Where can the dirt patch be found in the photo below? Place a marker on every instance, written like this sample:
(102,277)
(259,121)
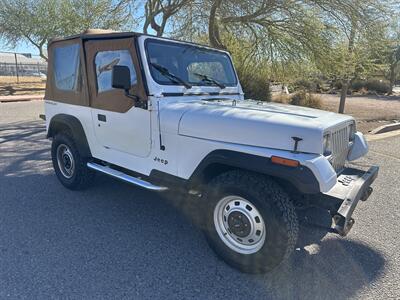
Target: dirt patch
(22,79)
(26,86)
(370,111)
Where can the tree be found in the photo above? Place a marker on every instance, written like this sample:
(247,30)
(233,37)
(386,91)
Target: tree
(37,21)
(394,63)
(349,61)
(393,48)
(280,30)
(354,22)
(158,12)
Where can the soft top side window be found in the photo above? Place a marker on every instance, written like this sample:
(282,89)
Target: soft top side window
(67,67)
(105,61)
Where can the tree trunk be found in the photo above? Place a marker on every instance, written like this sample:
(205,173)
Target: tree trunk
(346,82)
(146,26)
(343,95)
(213,26)
(392,78)
(41,53)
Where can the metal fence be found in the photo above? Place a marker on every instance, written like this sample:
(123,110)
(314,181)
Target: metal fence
(21,67)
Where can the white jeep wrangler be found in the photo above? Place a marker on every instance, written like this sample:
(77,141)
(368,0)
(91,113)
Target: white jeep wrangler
(163,114)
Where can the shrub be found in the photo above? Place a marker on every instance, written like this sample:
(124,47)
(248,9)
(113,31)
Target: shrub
(256,87)
(281,98)
(371,85)
(310,85)
(379,86)
(303,98)
(358,84)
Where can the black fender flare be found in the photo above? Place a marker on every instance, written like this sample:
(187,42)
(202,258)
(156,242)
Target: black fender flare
(300,177)
(61,122)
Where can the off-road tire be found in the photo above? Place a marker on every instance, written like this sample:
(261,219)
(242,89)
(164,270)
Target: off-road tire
(278,213)
(81,177)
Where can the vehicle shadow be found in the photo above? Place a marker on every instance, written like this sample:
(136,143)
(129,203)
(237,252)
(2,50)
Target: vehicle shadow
(117,241)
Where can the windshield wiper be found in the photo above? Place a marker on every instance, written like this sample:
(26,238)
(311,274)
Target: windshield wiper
(164,71)
(209,79)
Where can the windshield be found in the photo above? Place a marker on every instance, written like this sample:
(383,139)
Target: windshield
(190,64)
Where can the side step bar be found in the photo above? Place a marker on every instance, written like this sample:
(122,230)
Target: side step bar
(125,177)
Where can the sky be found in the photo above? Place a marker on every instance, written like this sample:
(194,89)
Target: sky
(23,47)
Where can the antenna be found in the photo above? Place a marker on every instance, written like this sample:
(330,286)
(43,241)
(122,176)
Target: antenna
(162,147)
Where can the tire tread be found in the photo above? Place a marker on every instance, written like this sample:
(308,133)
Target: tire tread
(263,187)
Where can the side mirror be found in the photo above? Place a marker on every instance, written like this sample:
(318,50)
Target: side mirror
(121,77)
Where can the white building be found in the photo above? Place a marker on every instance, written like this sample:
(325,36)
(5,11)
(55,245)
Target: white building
(27,65)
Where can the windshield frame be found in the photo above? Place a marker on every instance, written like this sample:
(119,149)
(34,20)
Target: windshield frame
(192,45)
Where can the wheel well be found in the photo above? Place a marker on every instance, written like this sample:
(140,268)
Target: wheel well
(214,170)
(217,169)
(73,126)
(56,127)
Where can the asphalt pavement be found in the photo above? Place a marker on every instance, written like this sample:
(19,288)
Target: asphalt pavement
(115,241)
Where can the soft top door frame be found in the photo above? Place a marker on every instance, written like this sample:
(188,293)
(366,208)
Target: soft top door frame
(115,99)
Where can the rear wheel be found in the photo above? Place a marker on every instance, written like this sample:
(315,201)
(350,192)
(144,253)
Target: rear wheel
(69,166)
(250,221)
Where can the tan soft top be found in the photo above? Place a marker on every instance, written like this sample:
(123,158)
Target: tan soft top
(95,34)
(90,42)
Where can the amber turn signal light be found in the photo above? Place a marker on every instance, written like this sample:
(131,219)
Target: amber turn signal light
(284,161)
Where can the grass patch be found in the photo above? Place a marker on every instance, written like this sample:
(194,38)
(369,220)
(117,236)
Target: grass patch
(301,98)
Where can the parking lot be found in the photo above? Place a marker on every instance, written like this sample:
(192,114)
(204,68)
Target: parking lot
(117,241)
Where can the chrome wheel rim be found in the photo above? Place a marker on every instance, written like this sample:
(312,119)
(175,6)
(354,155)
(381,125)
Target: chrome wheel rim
(239,224)
(65,161)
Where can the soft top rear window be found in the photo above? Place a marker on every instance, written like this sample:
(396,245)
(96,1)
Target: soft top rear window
(66,67)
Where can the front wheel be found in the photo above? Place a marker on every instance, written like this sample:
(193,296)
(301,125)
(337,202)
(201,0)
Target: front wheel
(250,221)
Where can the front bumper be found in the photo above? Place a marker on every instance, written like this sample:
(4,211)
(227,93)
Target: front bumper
(352,186)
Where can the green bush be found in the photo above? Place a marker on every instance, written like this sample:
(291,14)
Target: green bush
(358,84)
(255,87)
(372,85)
(379,86)
(304,98)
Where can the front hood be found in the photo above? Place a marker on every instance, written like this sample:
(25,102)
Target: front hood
(252,123)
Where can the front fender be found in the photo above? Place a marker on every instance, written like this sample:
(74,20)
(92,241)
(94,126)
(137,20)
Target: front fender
(314,174)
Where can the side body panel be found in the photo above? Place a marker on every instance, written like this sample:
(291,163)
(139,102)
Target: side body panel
(138,164)
(127,132)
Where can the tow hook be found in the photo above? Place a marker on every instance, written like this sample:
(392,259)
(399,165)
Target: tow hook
(366,194)
(341,225)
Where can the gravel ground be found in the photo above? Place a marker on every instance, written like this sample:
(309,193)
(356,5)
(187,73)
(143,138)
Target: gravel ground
(370,111)
(115,241)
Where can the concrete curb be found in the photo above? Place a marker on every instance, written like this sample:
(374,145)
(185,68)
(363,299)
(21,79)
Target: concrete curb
(381,136)
(19,98)
(386,128)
